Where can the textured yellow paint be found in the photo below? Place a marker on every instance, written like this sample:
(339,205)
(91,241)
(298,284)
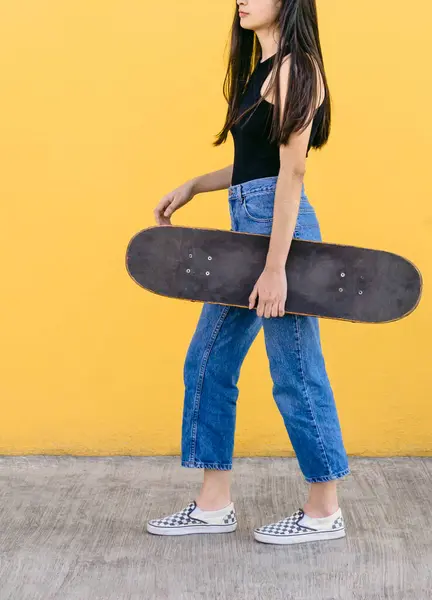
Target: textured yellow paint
(106,106)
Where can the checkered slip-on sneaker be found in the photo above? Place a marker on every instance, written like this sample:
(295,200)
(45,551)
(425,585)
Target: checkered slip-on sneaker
(293,531)
(193,520)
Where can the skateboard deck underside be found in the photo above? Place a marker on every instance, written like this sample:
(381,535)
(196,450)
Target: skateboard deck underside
(324,280)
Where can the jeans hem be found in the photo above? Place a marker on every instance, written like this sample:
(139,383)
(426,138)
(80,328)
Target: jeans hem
(328,477)
(200,465)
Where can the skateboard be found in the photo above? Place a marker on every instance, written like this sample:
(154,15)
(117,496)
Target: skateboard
(324,280)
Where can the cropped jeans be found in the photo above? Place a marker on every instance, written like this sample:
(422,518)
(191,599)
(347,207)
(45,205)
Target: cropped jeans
(224,334)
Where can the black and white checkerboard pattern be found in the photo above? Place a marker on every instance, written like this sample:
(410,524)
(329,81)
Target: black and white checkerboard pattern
(230,517)
(286,526)
(338,523)
(290,525)
(177,519)
(183,518)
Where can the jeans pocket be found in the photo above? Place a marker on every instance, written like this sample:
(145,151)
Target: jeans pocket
(259,206)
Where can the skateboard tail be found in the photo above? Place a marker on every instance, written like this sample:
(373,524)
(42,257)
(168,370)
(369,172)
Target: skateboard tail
(144,260)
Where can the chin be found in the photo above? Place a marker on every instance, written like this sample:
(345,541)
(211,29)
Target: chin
(246,26)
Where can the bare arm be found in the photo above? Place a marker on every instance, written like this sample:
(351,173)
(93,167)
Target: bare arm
(209,182)
(216,180)
(289,186)
(271,287)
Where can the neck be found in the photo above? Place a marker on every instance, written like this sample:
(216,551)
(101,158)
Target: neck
(269,41)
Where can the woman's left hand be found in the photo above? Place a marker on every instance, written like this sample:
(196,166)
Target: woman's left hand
(271,289)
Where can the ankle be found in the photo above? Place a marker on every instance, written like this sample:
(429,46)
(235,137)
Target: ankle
(319,511)
(212,502)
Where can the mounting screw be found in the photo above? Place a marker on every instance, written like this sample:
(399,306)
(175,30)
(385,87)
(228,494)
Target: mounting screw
(341,289)
(209,257)
(207,272)
(360,292)
(342,274)
(187,270)
(190,255)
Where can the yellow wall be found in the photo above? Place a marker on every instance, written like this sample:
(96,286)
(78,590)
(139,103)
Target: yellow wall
(105,107)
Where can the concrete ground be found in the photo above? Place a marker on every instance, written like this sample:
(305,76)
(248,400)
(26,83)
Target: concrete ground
(73,528)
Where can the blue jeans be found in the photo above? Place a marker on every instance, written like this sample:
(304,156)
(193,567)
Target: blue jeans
(224,334)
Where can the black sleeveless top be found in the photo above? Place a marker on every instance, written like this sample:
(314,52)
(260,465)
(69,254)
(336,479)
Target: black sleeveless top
(254,155)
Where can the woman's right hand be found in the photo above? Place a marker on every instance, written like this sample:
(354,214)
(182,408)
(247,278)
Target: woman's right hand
(173,201)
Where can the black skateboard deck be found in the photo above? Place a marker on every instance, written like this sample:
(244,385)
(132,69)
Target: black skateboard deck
(324,280)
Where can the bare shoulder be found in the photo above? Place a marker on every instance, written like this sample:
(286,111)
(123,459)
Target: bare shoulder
(284,74)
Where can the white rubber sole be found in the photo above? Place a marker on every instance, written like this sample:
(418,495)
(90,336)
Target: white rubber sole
(299,537)
(191,529)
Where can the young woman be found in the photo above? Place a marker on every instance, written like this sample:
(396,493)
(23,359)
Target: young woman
(278,108)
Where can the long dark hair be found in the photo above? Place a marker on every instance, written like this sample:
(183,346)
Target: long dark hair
(297,23)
